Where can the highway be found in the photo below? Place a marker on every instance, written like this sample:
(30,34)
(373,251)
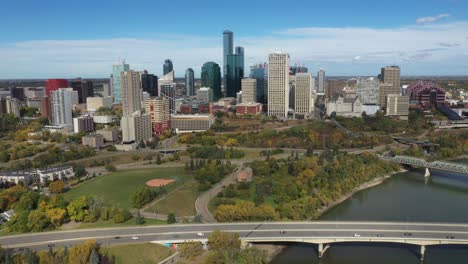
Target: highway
(308,232)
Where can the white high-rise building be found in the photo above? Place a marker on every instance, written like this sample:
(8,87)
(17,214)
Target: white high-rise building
(368,90)
(321,81)
(249,90)
(278,84)
(136,128)
(131,92)
(304,94)
(61,105)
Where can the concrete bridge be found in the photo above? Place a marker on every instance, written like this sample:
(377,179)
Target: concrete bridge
(323,234)
(421,163)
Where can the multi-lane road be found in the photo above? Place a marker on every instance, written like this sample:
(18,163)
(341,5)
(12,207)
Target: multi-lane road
(311,232)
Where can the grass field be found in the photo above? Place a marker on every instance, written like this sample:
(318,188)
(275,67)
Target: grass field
(115,189)
(138,254)
(181,201)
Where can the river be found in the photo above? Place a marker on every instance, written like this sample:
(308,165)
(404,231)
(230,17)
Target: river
(406,196)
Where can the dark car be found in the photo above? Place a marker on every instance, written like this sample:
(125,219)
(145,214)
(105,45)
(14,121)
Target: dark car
(408,234)
(450,237)
(117,237)
(379,235)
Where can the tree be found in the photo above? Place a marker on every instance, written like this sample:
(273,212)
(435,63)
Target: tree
(38,221)
(56,216)
(121,216)
(190,249)
(80,254)
(94,257)
(158,158)
(224,241)
(45,257)
(77,209)
(80,170)
(171,219)
(139,220)
(56,186)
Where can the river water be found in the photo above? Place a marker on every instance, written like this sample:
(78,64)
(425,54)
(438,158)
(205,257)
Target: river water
(404,197)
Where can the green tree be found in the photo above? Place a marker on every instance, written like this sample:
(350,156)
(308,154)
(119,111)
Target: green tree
(94,257)
(38,221)
(171,219)
(78,208)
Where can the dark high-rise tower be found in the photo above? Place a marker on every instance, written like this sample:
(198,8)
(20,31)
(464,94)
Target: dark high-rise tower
(211,77)
(84,88)
(228,45)
(149,83)
(235,73)
(167,66)
(233,65)
(189,82)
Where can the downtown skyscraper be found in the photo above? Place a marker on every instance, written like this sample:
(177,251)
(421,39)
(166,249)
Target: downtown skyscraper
(189,82)
(321,81)
(167,66)
(116,86)
(278,84)
(260,73)
(233,65)
(131,92)
(211,77)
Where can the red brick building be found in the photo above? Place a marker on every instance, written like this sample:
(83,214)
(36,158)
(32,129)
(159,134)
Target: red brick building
(249,108)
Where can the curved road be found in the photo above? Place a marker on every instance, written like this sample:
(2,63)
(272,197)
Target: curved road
(420,233)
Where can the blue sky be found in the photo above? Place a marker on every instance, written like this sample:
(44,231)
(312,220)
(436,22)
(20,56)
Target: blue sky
(41,39)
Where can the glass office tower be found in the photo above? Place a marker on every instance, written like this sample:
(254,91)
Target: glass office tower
(211,77)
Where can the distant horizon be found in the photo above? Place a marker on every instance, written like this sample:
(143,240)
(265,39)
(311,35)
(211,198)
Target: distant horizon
(352,38)
(327,76)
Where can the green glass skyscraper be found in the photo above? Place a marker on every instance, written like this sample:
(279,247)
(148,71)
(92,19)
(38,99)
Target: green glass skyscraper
(211,77)
(235,73)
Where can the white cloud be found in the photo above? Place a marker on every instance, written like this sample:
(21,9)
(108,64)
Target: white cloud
(430,19)
(418,49)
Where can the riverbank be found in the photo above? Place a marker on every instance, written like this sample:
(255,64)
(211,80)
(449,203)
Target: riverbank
(274,250)
(366,185)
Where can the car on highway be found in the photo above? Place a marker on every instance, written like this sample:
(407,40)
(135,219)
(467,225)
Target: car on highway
(356,235)
(117,237)
(379,235)
(450,237)
(407,234)
(200,234)
(282,232)
(134,238)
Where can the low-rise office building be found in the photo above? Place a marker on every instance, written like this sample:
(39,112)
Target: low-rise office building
(248,108)
(190,123)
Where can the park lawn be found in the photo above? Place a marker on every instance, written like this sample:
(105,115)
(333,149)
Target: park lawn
(181,201)
(138,253)
(115,189)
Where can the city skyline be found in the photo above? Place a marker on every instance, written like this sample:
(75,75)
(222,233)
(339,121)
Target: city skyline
(415,37)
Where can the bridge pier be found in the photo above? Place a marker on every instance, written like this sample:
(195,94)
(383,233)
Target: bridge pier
(205,245)
(422,252)
(427,173)
(322,249)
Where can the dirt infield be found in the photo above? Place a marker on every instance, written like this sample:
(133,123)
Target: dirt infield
(159,182)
